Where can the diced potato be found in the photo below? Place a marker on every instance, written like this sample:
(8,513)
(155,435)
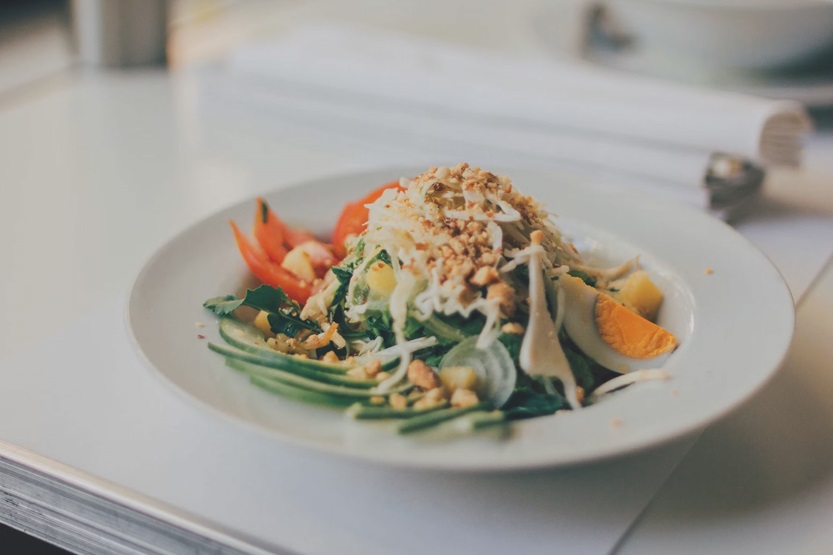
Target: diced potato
(298,262)
(380,279)
(262,322)
(641,295)
(464,398)
(458,377)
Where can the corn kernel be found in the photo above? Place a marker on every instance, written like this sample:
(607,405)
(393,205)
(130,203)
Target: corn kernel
(380,279)
(262,322)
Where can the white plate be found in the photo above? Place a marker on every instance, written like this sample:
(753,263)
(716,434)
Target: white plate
(735,326)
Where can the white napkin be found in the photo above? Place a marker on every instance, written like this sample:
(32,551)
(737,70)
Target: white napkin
(419,92)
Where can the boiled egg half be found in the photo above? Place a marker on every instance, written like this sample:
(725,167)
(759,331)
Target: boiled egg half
(612,335)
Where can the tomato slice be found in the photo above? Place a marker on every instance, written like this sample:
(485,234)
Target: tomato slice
(354,216)
(268,271)
(269,232)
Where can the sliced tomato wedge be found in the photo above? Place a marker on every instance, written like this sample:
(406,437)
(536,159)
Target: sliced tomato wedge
(269,232)
(268,271)
(354,216)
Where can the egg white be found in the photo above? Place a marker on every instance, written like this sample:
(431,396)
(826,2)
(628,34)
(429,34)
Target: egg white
(580,324)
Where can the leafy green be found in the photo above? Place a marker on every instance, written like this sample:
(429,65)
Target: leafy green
(283,311)
(222,306)
(512,342)
(581,367)
(270,299)
(527,402)
(384,257)
(343,275)
(287,324)
(379,325)
(433,357)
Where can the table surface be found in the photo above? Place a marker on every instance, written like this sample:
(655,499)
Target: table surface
(99,169)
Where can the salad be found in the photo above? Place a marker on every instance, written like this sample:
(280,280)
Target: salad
(450,296)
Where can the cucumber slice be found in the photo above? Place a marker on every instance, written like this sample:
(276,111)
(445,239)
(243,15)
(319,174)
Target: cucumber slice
(293,367)
(300,394)
(496,373)
(303,383)
(248,338)
(362,412)
(437,417)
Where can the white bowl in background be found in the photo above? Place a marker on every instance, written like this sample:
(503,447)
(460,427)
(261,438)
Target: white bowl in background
(738,34)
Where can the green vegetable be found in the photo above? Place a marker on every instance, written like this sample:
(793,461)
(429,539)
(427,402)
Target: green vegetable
(291,366)
(283,311)
(581,366)
(304,383)
(584,276)
(437,417)
(444,332)
(248,338)
(480,420)
(362,412)
(343,275)
(299,394)
(528,403)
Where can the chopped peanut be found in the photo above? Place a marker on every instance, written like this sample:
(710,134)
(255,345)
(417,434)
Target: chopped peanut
(357,373)
(464,398)
(330,357)
(377,400)
(512,328)
(318,341)
(505,296)
(398,401)
(580,394)
(431,399)
(421,375)
(373,367)
(382,376)
(484,276)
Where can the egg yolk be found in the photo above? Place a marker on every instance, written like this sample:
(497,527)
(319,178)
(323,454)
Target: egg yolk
(629,333)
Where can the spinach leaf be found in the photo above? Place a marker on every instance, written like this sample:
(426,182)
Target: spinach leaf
(288,324)
(512,342)
(343,275)
(379,325)
(527,402)
(581,366)
(384,257)
(283,311)
(591,281)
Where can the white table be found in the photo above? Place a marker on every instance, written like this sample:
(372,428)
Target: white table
(99,169)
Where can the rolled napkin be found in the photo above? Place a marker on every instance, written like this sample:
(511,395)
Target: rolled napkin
(419,91)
